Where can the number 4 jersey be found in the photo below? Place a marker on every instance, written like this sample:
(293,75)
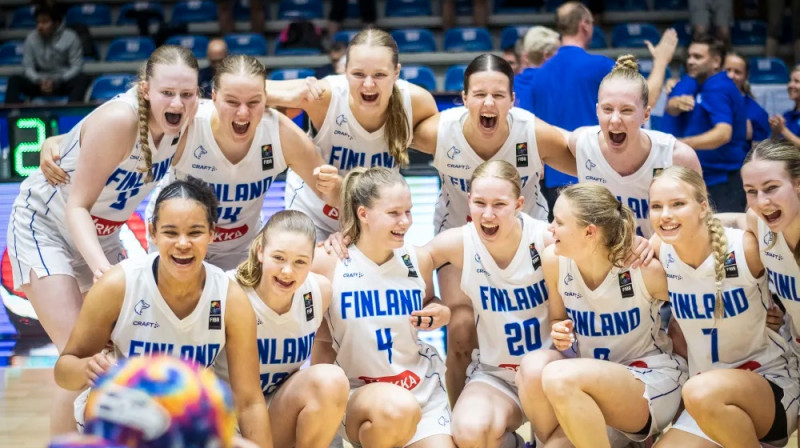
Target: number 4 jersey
(369,322)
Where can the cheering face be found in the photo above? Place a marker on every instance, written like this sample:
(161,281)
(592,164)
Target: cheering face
(172,92)
(674,213)
(493,206)
(620,112)
(286,262)
(488,100)
(771,193)
(240,102)
(182,234)
(389,218)
(569,234)
(700,63)
(794,86)
(736,68)
(371,76)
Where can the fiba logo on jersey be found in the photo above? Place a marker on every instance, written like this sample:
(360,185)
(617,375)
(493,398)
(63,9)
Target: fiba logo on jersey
(267,162)
(199,152)
(522,155)
(215,315)
(625,284)
(590,164)
(731,271)
(331,212)
(308,302)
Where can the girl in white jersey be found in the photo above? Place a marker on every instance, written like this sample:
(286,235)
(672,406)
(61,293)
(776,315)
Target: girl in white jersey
(618,153)
(365,117)
(748,389)
(171,302)
(61,237)
(488,127)
(240,148)
(626,378)
(306,406)
(498,254)
(771,179)
(379,302)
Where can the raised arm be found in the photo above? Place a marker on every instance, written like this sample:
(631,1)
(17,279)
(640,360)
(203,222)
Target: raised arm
(662,56)
(310,94)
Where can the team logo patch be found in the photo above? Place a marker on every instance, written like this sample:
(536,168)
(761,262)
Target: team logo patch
(568,279)
(536,261)
(308,302)
(625,284)
(267,161)
(140,306)
(670,260)
(199,152)
(407,261)
(453,152)
(768,238)
(731,271)
(590,164)
(215,315)
(340,120)
(522,155)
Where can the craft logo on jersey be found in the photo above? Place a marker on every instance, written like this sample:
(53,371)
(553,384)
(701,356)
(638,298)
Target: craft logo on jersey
(453,152)
(731,271)
(625,284)
(536,261)
(215,315)
(331,212)
(590,164)
(407,261)
(267,161)
(568,279)
(340,120)
(522,155)
(308,302)
(657,171)
(140,306)
(199,152)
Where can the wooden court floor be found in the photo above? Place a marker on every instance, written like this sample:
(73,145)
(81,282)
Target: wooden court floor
(25,400)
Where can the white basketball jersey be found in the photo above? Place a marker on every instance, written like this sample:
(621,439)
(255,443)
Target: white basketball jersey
(510,305)
(345,144)
(618,321)
(240,188)
(284,340)
(784,276)
(147,325)
(631,190)
(123,192)
(369,322)
(455,160)
(741,339)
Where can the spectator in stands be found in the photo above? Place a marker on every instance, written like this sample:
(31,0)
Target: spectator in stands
(52,59)
(757,118)
(479,13)
(336,54)
(538,45)
(216,52)
(366,8)
(712,121)
(225,16)
(701,13)
(788,125)
(775,15)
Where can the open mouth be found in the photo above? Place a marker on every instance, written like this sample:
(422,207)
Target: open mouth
(617,138)
(669,228)
(772,217)
(369,97)
(488,121)
(173,119)
(241,128)
(398,234)
(182,261)
(489,229)
(285,284)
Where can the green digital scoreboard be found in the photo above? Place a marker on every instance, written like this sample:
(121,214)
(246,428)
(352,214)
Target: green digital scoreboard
(26,133)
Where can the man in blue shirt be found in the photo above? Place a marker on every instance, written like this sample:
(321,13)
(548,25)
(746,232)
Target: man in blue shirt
(713,121)
(538,45)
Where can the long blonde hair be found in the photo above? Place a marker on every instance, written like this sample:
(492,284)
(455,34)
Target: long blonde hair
(594,204)
(361,187)
(397,129)
(165,54)
(719,242)
(248,273)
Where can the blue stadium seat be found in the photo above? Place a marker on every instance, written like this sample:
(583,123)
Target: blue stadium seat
(194,11)
(511,34)
(247,43)
(130,49)
(22,17)
(420,75)
(89,14)
(3,87)
(344,36)
(598,38)
(646,66)
(408,8)
(11,52)
(301,51)
(634,35)
(768,71)
(105,87)
(300,9)
(684,30)
(195,42)
(353,10)
(414,40)
(500,7)
(625,5)
(749,32)
(241,10)
(291,73)
(454,78)
(467,39)
(671,5)
(463,7)
(154,9)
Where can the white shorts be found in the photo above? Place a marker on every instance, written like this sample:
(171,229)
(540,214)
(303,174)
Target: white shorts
(35,242)
(477,374)
(79,407)
(298,196)
(662,389)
